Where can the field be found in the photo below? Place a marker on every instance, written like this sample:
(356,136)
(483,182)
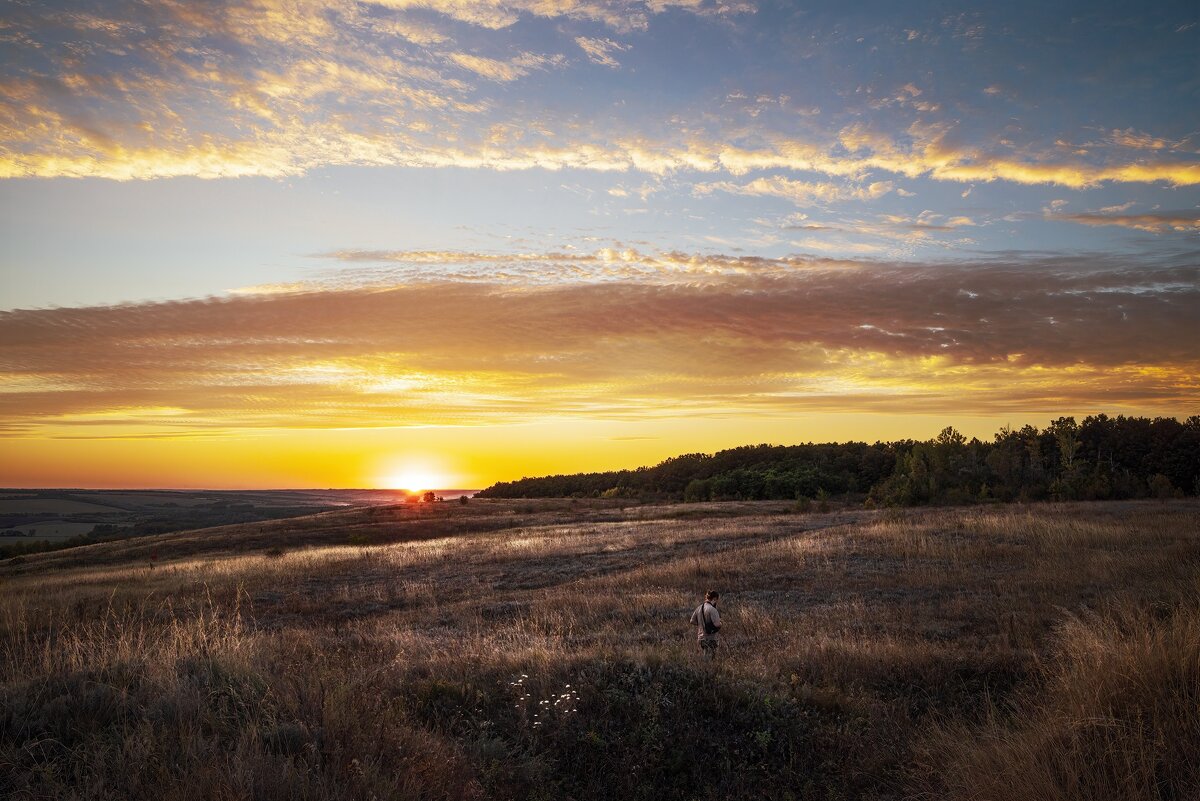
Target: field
(38,520)
(520,649)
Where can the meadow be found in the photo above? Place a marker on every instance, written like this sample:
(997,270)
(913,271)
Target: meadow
(541,650)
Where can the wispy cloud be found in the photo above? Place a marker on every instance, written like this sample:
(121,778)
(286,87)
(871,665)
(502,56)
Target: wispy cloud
(1154,222)
(801,193)
(277,88)
(620,15)
(600,51)
(504,71)
(1140,140)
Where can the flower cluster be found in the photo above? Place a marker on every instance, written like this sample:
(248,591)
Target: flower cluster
(564,703)
(519,684)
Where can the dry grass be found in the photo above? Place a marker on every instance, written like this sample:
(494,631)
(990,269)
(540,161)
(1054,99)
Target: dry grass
(1116,716)
(866,655)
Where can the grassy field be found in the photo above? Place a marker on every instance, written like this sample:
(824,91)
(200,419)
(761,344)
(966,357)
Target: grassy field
(516,650)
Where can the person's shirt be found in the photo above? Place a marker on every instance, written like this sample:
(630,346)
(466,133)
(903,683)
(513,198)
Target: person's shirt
(714,618)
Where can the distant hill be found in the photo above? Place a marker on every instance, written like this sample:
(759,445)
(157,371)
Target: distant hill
(1102,457)
(33,521)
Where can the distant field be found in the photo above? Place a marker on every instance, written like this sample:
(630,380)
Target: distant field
(52,506)
(56,516)
(146,499)
(516,650)
(49,531)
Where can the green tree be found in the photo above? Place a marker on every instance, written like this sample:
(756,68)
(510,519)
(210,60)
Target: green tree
(1066,435)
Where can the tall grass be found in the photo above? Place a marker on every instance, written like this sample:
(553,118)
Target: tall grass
(1116,715)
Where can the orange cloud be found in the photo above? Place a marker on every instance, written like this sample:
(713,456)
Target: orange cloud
(846,336)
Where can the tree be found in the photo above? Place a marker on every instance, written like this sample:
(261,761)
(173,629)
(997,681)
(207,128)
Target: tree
(1066,436)
(949,437)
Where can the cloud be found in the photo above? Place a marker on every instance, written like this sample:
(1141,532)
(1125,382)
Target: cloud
(413,30)
(1139,140)
(907,96)
(258,87)
(275,88)
(802,193)
(797,333)
(503,71)
(894,235)
(77,151)
(1155,223)
(927,221)
(756,104)
(613,264)
(620,15)
(600,51)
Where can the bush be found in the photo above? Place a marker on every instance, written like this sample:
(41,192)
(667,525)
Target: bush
(1161,486)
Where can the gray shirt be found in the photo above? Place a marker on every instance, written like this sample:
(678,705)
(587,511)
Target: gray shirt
(714,618)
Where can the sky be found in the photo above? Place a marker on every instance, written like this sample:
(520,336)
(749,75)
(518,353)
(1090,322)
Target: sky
(283,243)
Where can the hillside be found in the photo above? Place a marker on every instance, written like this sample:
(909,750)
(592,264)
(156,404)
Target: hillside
(540,650)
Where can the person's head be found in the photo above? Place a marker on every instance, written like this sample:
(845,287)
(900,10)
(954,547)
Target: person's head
(712,596)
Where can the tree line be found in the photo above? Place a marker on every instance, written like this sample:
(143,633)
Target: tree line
(1101,458)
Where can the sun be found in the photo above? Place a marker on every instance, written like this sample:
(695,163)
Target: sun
(411,482)
(414,474)
(414,481)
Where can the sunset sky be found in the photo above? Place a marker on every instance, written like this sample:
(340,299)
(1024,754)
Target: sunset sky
(327,244)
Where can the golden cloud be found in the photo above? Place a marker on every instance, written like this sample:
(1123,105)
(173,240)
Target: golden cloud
(777,334)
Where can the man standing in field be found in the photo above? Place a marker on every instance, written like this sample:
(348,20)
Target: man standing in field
(708,624)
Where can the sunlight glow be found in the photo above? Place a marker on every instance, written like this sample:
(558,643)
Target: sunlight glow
(414,479)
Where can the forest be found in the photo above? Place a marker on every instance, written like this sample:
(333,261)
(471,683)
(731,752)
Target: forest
(1101,458)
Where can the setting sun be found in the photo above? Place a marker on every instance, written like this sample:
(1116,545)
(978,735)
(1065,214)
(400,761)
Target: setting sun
(414,480)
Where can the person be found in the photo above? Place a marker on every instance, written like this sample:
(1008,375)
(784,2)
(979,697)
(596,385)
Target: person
(708,624)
